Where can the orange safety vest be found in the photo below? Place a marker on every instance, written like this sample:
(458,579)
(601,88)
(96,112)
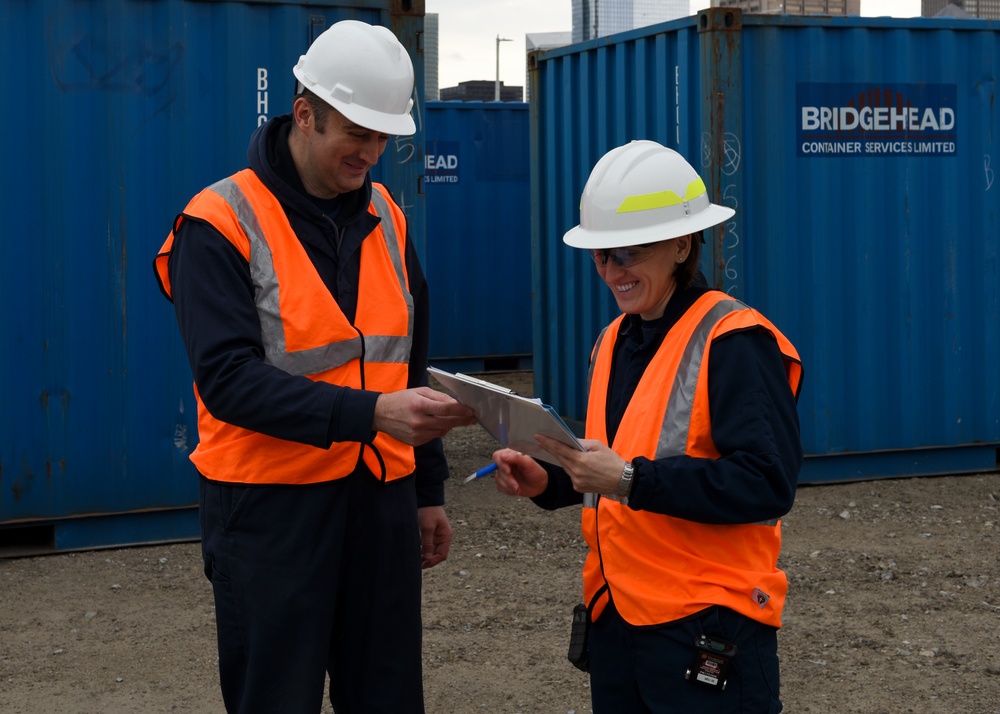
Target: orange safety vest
(659,568)
(304,332)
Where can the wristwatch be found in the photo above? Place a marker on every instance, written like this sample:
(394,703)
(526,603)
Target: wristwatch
(625,485)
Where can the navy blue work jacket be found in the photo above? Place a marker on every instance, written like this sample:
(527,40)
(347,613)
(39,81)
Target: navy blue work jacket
(755,427)
(214,302)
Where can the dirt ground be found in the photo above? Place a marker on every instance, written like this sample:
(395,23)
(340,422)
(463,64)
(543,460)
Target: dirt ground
(894,606)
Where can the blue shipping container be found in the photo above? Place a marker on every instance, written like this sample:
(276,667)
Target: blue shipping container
(478,249)
(138,104)
(861,157)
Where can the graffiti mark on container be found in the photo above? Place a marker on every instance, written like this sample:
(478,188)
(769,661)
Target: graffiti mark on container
(730,163)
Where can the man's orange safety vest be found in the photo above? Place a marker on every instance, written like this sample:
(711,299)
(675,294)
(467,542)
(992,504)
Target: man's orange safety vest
(304,332)
(658,568)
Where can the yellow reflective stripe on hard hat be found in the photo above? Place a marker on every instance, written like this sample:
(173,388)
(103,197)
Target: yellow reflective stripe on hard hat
(661,199)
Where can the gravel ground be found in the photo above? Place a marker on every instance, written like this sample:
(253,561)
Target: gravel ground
(894,606)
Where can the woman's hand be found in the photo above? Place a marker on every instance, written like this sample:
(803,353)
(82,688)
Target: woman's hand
(518,475)
(596,470)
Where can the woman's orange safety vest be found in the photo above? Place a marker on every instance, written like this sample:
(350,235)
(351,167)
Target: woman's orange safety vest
(658,568)
(305,332)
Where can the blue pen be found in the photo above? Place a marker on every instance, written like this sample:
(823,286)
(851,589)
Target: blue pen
(485,471)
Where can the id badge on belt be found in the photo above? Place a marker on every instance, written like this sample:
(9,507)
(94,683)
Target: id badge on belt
(710,666)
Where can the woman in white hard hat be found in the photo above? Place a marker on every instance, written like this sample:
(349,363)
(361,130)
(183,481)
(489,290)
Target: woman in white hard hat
(695,392)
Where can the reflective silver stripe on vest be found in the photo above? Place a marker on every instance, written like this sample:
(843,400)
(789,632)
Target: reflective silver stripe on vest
(267,298)
(593,361)
(677,417)
(391,352)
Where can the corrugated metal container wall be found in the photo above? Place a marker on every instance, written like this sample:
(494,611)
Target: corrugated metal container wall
(861,157)
(590,98)
(478,235)
(125,109)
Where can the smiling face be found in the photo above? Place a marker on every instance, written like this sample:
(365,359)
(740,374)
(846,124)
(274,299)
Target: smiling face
(643,278)
(332,153)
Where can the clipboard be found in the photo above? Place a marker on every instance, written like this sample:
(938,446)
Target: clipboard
(509,418)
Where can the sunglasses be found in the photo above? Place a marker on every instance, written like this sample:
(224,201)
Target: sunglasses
(622,257)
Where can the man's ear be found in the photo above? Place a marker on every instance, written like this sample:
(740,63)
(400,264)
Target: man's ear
(302,112)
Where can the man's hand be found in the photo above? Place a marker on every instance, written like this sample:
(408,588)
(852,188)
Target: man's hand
(415,416)
(435,535)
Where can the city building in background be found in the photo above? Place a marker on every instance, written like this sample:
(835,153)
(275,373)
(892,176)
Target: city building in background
(600,18)
(794,7)
(480,90)
(431,56)
(985,9)
(535,41)
(953,11)
(546,40)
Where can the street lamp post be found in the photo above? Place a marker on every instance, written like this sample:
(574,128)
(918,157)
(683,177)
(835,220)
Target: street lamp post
(496,93)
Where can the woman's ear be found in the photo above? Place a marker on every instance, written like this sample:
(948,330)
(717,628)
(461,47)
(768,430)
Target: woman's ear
(683,247)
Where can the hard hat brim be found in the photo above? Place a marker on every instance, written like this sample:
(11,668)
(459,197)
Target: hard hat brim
(580,237)
(395,124)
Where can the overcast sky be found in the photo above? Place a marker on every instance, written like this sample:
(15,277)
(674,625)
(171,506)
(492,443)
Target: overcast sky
(467,46)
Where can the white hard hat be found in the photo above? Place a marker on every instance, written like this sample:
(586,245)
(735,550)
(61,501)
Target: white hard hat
(641,193)
(364,73)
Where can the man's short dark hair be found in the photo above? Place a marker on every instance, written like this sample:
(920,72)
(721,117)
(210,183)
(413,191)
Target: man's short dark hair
(321,110)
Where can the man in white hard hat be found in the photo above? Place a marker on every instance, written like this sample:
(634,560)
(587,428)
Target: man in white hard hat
(693,455)
(304,313)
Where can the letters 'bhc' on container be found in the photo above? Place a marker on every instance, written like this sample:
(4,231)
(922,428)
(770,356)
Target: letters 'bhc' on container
(861,156)
(136,105)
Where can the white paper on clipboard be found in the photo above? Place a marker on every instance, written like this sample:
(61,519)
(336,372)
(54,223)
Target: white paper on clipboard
(509,418)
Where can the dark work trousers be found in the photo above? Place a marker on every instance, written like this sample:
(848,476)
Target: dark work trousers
(316,579)
(640,670)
